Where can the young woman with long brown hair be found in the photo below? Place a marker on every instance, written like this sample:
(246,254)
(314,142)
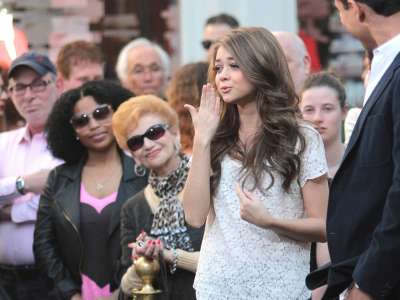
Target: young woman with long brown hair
(258,175)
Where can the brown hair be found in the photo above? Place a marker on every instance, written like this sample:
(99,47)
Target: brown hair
(128,114)
(327,79)
(279,140)
(76,52)
(185,88)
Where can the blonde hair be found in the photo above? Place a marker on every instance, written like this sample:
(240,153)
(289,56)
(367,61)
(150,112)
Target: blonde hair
(128,114)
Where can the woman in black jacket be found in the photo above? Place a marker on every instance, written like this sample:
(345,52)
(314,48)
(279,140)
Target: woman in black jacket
(77,231)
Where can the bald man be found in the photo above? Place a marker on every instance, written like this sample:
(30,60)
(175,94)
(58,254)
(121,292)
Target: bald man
(296,55)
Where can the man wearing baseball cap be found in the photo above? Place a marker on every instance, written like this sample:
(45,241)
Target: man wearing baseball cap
(25,163)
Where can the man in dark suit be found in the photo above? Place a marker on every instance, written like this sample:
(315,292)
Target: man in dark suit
(363,225)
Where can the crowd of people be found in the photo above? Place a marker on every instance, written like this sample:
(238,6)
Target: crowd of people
(233,173)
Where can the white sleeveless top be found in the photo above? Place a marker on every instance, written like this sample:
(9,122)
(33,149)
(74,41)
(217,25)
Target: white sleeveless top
(241,261)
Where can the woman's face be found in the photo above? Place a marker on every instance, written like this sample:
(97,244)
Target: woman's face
(320,105)
(158,149)
(232,84)
(92,124)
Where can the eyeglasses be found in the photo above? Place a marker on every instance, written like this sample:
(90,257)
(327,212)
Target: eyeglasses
(101,113)
(207,44)
(154,133)
(37,86)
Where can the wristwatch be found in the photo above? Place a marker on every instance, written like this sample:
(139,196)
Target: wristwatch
(20,185)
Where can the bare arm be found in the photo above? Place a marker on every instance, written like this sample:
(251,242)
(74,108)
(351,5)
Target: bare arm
(309,228)
(196,195)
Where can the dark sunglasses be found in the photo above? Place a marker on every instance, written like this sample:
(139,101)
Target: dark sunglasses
(101,112)
(206,44)
(154,133)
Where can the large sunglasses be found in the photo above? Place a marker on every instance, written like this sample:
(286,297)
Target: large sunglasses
(154,133)
(101,113)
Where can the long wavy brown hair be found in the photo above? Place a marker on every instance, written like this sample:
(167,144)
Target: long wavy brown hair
(278,144)
(185,88)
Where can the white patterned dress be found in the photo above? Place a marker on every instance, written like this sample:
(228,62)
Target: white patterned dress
(240,261)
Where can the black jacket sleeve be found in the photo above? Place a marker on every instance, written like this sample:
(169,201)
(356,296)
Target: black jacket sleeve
(45,245)
(129,232)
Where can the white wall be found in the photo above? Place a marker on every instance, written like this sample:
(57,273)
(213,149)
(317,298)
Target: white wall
(271,14)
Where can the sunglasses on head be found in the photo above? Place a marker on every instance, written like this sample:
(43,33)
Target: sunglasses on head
(154,133)
(101,112)
(207,44)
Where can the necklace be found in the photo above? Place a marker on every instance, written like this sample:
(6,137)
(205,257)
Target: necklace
(99,186)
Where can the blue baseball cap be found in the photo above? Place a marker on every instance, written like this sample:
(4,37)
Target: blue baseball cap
(40,63)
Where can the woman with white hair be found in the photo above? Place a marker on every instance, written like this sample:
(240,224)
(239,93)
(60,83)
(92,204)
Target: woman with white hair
(143,67)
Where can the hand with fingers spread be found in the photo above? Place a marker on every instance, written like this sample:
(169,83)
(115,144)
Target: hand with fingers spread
(206,117)
(252,210)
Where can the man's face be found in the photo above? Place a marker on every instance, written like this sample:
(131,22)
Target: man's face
(211,34)
(146,74)
(81,72)
(33,96)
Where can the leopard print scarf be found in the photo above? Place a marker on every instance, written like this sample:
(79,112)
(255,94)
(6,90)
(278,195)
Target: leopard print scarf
(169,221)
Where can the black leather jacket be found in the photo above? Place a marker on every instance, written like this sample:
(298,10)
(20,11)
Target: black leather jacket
(57,243)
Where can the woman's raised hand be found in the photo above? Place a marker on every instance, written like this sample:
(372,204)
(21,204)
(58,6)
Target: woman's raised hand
(206,117)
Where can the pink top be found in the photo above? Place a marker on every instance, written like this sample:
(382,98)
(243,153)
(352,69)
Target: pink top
(96,203)
(20,154)
(90,289)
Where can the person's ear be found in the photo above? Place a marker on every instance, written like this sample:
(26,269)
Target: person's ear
(307,64)
(60,84)
(345,110)
(361,16)
(358,10)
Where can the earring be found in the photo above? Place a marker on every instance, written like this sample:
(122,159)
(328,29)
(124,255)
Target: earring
(139,170)
(77,138)
(177,146)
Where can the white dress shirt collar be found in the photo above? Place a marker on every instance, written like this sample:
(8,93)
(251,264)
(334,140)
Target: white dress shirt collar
(384,55)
